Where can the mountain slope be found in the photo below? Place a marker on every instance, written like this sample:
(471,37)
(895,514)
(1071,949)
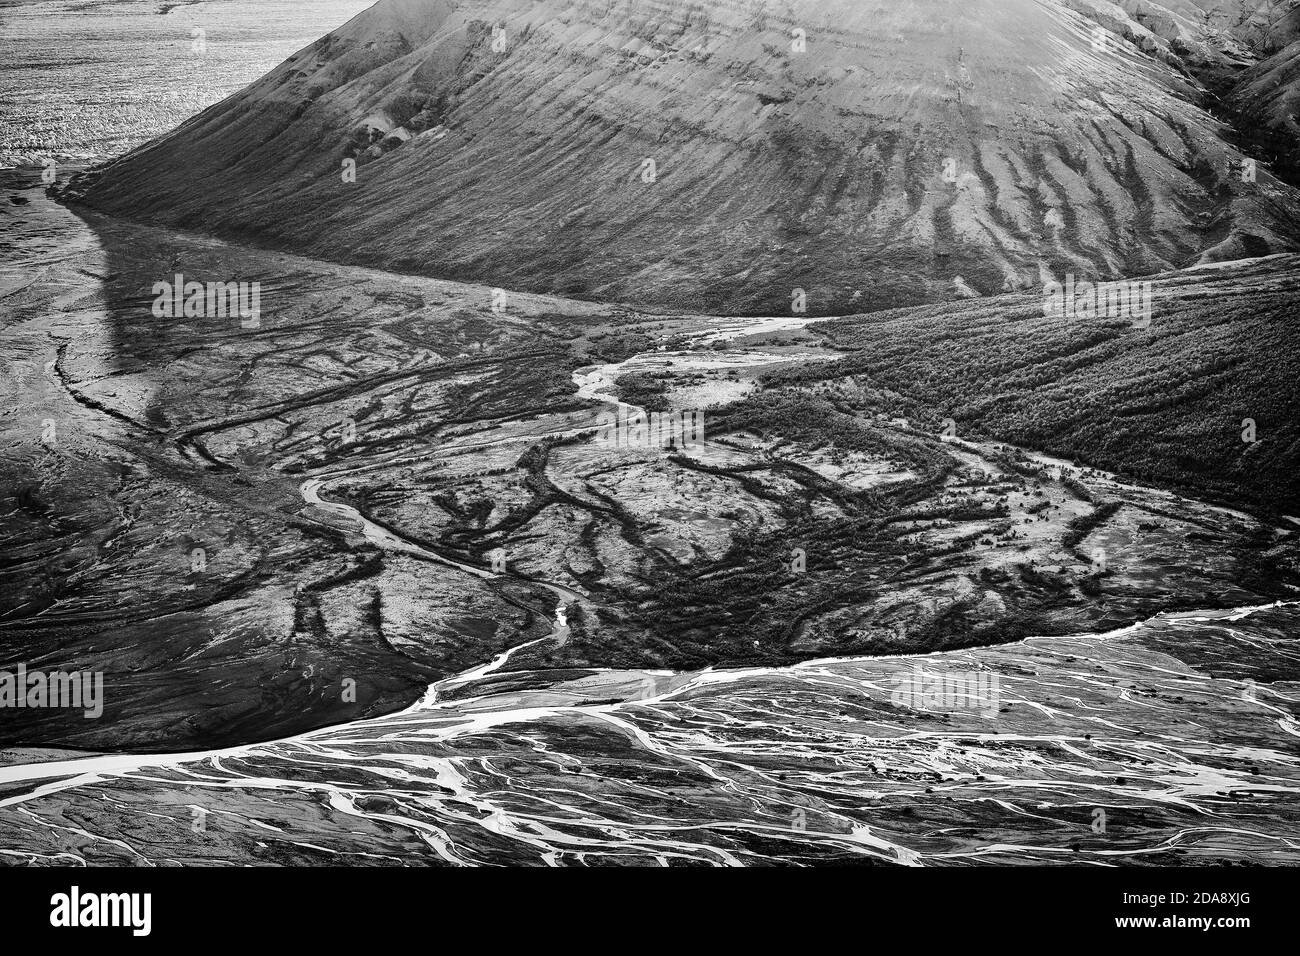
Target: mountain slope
(1206,399)
(1268,96)
(912,153)
(1197,35)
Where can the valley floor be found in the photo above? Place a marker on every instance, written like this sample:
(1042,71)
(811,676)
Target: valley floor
(390,484)
(1105,749)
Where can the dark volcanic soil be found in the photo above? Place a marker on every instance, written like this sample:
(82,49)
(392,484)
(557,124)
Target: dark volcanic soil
(191,524)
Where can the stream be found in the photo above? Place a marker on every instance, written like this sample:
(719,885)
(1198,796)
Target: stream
(733,767)
(1102,749)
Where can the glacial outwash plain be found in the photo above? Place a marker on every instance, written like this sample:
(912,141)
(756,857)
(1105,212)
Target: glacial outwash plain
(368,582)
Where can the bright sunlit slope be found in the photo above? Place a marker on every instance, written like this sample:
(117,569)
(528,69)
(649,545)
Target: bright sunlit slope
(912,152)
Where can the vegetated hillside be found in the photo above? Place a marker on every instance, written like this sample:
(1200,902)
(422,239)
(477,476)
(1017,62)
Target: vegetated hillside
(1268,96)
(1164,404)
(912,152)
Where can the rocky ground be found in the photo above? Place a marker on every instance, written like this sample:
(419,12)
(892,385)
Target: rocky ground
(387,483)
(84,81)
(1166,744)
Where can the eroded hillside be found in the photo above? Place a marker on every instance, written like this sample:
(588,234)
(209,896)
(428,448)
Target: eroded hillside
(720,156)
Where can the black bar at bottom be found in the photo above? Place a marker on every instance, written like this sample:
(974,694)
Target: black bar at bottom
(615,907)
